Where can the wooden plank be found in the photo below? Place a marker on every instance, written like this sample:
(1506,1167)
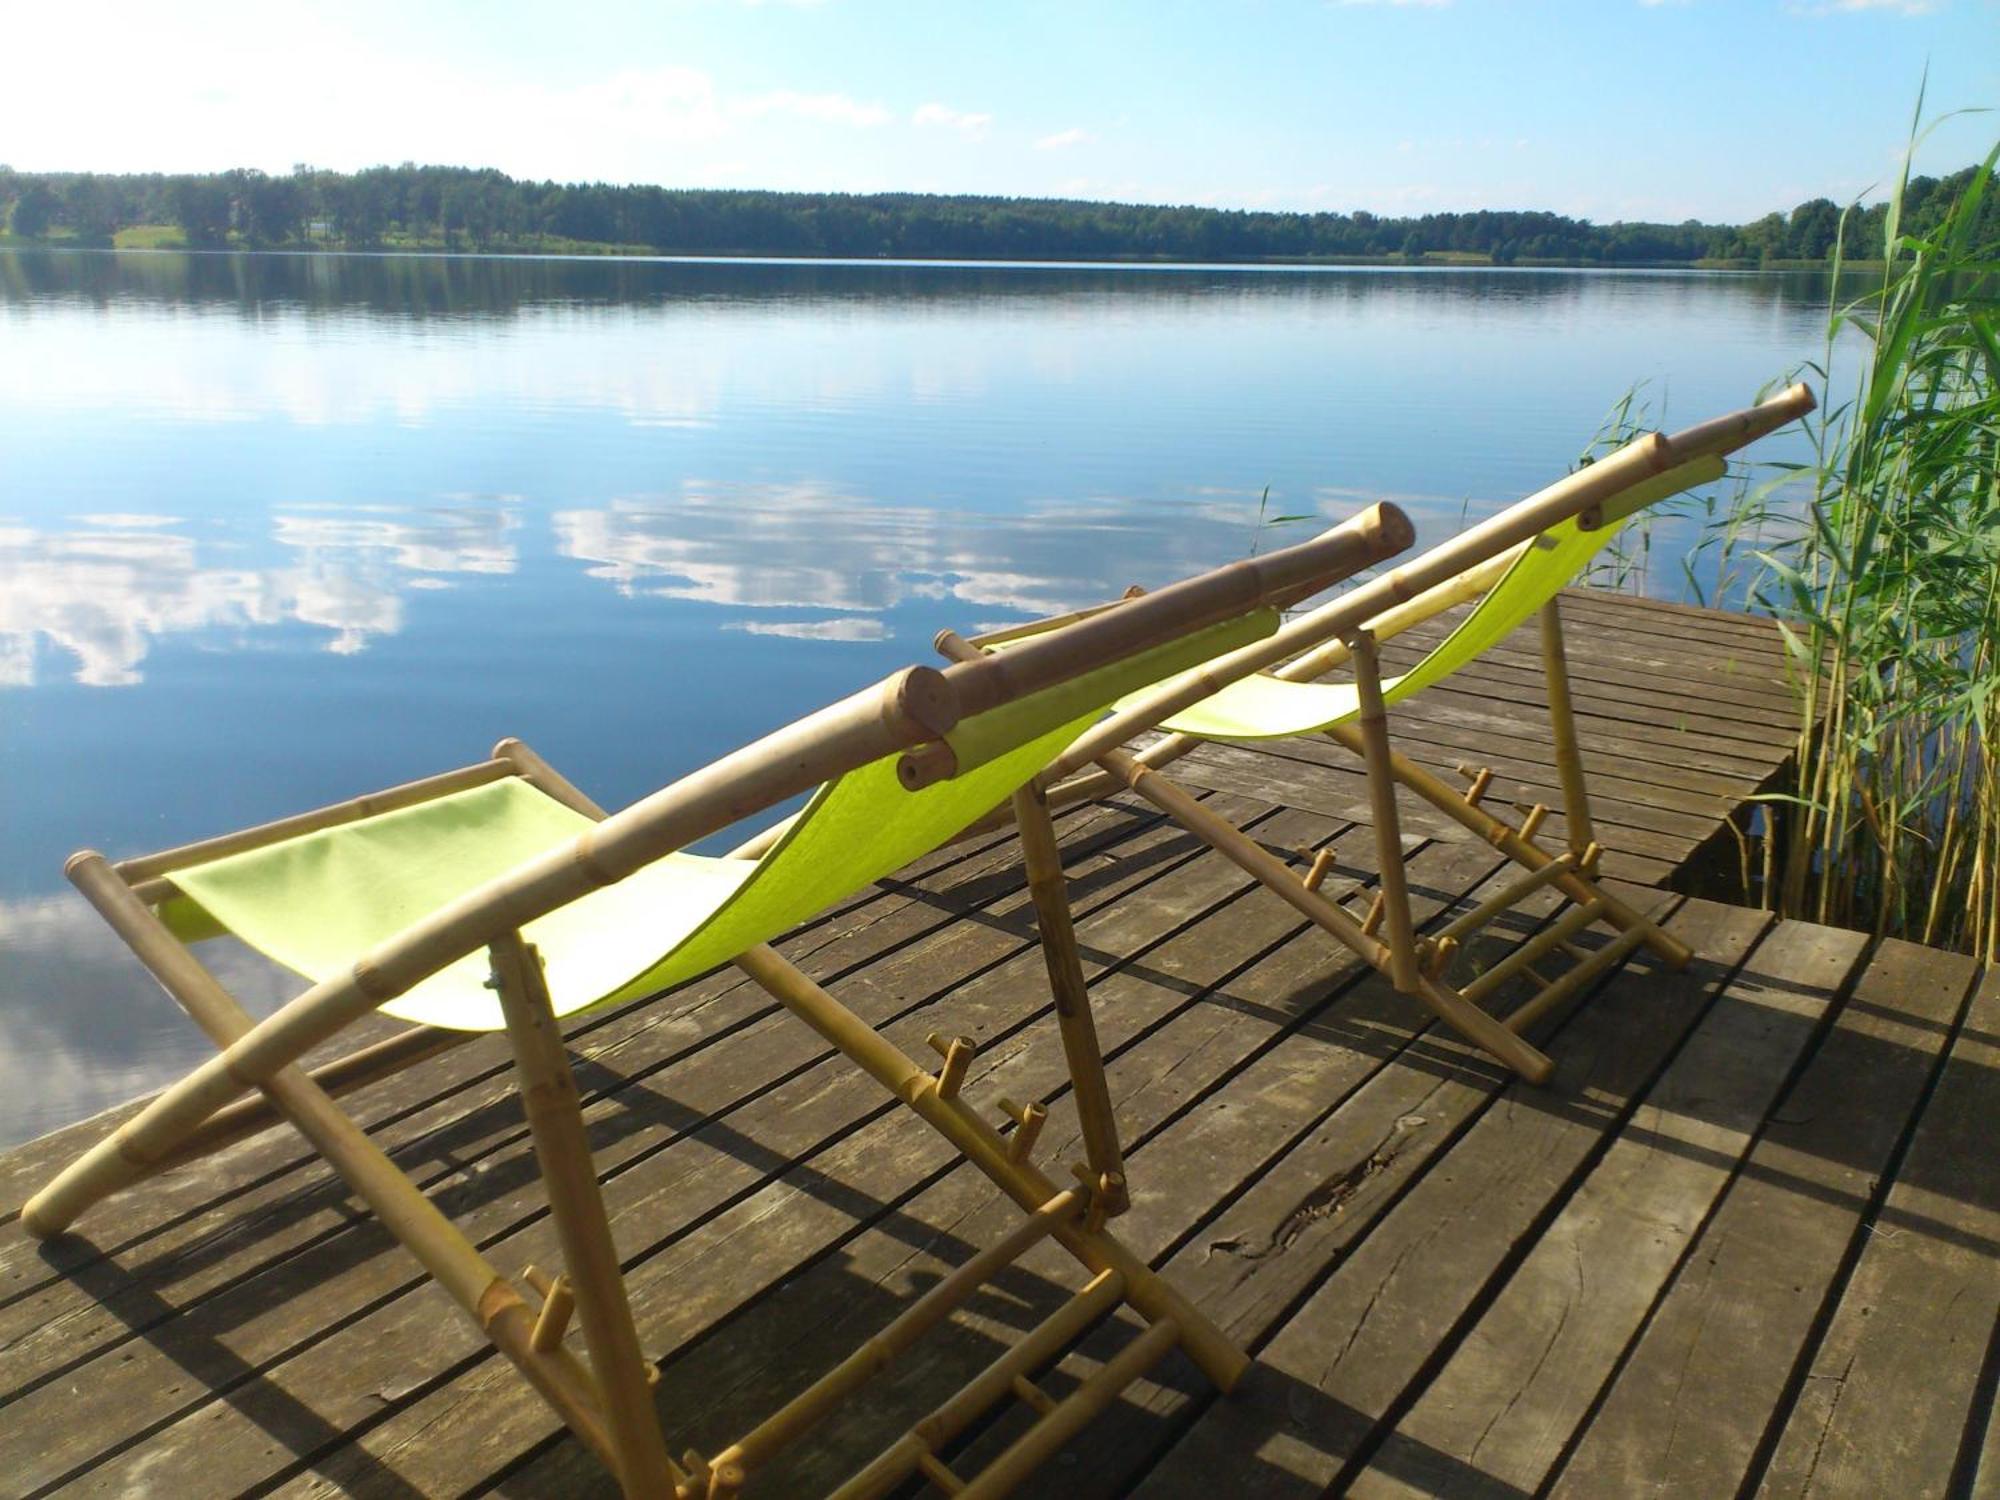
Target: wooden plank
(1612,658)
(1890,1396)
(1657,709)
(1521,1380)
(1692,1402)
(1682,745)
(1689,816)
(1673,617)
(1344,1319)
(710,1177)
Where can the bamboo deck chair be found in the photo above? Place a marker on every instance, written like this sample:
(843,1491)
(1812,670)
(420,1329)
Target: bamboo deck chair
(1515,564)
(499,897)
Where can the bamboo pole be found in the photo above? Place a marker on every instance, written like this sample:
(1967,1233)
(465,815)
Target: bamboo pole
(1574,979)
(401,1208)
(1053,622)
(1076,1412)
(1507,897)
(1637,463)
(555,1120)
(1378,533)
(1048,1339)
(1562,726)
(408,794)
(1149,1293)
(1508,842)
(1240,849)
(538,773)
(813,1405)
(1523,955)
(1050,891)
(1394,891)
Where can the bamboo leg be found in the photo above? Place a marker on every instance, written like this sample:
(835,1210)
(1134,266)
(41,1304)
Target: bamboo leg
(402,1209)
(1092,1093)
(1469,1021)
(1395,890)
(1562,723)
(549,1097)
(1508,842)
(1149,1293)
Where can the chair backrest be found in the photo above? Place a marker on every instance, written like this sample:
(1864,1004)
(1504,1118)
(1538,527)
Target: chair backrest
(1546,566)
(1288,701)
(315,901)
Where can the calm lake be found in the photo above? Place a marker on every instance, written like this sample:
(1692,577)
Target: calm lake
(276,530)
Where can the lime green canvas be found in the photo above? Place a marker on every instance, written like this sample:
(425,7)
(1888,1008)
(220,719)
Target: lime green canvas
(317,902)
(1261,707)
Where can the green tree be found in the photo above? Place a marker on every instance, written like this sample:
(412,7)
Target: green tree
(35,210)
(201,207)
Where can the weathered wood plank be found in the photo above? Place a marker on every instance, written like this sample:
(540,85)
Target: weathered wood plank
(1522,1379)
(1887,1403)
(1348,1315)
(1694,1398)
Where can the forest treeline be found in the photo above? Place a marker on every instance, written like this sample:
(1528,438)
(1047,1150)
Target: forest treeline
(457,208)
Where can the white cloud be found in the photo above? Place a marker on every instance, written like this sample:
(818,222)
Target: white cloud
(832,109)
(943,117)
(853,628)
(1062,140)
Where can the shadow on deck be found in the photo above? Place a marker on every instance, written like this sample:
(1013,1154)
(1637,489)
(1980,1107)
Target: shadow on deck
(1747,1240)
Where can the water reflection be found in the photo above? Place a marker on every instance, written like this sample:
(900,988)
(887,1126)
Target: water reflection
(417,288)
(327,523)
(104,591)
(812,546)
(99,1030)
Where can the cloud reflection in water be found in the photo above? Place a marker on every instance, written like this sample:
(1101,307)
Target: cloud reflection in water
(106,588)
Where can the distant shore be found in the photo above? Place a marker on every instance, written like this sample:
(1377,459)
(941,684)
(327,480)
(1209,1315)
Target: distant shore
(168,237)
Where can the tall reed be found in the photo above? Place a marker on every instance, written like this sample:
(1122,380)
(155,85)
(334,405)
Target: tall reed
(1889,585)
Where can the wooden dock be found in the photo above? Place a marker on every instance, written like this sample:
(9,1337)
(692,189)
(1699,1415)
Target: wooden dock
(1748,1240)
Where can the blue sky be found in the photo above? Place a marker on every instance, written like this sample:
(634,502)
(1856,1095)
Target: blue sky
(1658,109)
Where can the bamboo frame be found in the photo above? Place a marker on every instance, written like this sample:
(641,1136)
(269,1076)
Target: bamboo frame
(555,1120)
(1394,892)
(609,1402)
(1347,631)
(1050,891)
(1562,726)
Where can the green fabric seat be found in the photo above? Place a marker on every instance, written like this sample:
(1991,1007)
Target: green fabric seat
(316,902)
(1262,707)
